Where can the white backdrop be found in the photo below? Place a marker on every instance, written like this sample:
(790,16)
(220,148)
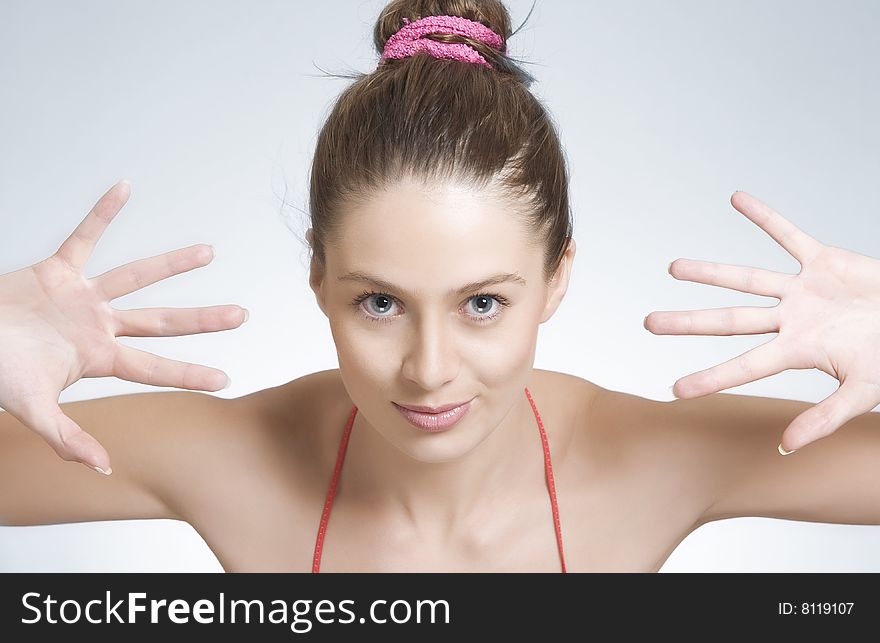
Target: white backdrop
(211,109)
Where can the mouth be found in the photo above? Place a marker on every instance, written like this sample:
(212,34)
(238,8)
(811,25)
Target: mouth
(433,409)
(443,419)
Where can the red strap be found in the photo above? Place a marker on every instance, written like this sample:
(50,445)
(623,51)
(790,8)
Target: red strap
(343,445)
(548,468)
(319,544)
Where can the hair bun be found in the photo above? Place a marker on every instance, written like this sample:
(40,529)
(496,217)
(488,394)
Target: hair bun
(398,13)
(411,39)
(489,51)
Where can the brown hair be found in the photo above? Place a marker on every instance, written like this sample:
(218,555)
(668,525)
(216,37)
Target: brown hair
(432,119)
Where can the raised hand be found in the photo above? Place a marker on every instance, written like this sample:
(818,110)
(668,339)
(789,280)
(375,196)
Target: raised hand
(828,317)
(57,326)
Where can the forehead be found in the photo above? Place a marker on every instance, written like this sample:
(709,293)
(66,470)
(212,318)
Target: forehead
(439,228)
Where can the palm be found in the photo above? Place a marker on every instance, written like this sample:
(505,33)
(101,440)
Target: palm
(58,326)
(70,309)
(836,313)
(827,318)
(35,354)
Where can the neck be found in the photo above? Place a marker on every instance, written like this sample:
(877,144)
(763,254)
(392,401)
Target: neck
(445,496)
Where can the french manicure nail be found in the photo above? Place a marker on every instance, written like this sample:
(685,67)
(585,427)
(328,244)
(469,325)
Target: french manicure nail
(100,470)
(228,382)
(247,314)
(783,451)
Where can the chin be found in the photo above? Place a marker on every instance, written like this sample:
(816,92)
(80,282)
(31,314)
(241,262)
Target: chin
(434,451)
(445,446)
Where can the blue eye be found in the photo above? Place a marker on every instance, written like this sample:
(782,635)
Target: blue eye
(379,303)
(383,302)
(485,301)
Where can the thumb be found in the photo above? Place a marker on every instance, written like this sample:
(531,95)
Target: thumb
(65,436)
(851,399)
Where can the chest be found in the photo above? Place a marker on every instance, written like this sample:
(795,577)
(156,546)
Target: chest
(612,525)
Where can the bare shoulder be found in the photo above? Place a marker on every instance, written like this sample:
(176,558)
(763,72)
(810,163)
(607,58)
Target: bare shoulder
(631,461)
(570,392)
(259,445)
(646,444)
(620,420)
(568,404)
(592,411)
(298,406)
(298,417)
(667,449)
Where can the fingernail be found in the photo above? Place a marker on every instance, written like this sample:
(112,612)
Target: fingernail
(669,267)
(671,389)
(100,470)
(247,314)
(228,383)
(213,251)
(783,451)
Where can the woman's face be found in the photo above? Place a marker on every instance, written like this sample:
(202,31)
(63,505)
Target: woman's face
(409,329)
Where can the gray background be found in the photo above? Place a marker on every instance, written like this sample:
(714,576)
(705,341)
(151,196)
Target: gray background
(211,109)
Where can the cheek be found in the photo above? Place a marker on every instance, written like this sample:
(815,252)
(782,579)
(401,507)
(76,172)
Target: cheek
(364,350)
(506,354)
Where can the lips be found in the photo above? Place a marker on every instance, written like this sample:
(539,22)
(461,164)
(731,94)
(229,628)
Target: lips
(435,422)
(433,409)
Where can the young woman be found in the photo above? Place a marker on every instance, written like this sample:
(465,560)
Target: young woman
(441,239)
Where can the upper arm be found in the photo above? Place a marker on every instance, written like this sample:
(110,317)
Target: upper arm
(736,462)
(149,437)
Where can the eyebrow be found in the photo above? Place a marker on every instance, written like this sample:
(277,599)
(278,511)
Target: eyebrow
(500,278)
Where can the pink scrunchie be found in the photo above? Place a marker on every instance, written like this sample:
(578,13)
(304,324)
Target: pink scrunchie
(408,39)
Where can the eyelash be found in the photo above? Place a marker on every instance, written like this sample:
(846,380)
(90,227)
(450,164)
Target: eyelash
(504,303)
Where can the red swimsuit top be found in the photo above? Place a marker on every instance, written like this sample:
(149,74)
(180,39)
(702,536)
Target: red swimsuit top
(331,492)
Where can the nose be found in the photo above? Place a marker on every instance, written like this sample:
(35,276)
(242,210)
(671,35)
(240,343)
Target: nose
(431,358)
